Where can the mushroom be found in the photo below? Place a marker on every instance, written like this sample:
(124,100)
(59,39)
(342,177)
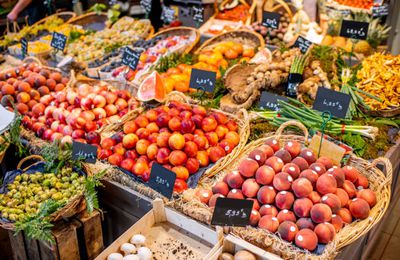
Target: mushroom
(128,248)
(138,240)
(115,256)
(144,253)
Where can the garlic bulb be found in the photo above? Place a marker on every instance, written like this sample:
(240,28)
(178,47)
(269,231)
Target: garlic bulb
(144,253)
(131,257)
(138,240)
(128,248)
(115,256)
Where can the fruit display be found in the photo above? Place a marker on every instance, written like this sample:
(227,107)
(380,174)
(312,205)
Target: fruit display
(233,10)
(303,198)
(134,250)
(28,192)
(35,48)
(273,36)
(178,136)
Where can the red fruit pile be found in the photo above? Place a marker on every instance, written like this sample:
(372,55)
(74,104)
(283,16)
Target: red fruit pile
(305,199)
(180,137)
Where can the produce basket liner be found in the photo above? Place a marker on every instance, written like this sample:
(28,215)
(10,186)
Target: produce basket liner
(241,36)
(128,179)
(75,205)
(378,182)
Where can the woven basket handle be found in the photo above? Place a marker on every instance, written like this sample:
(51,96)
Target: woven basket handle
(32,59)
(292,123)
(388,166)
(30,157)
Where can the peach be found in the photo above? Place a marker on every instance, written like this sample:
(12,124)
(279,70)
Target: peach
(162,156)
(176,141)
(143,133)
(235,194)
(153,128)
(162,120)
(269,222)
(284,200)
(337,222)
(345,215)
(216,153)
(275,163)
(140,168)
(258,156)
(282,181)
(221,131)
(129,141)
(152,151)
(162,139)
(326,161)
(203,195)
(325,232)
(22,108)
(213,199)
(319,168)
(314,197)
(110,110)
(266,195)
(302,187)
(38,109)
(127,164)
(284,155)
(141,121)
(141,146)
(153,138)
(212,138)
(321,213)
(234,180)
(221,188)
(302,207)
(175,124)
(201,142)
(359,208)
(288,230)
(343,197)
(220,117)
(115,159)
(293,148)
(119,149)
(301,162)
(332,201)
(274,144)
(181,172)
(367,195)
(362,182)
(254,217)
(267,150)
(350,173)
(267,209)
(306,239)
(292,169)
(208,124)
(308,155)
(349,187)
(202,157)
(248,167)
(286,215)
(265,175)
(227,145)
(338,174)
(233,137)
(326,183)
(232,125)
(187,125)
(177,158)
(256,204)
(23,97)
(250,188)
(303,223)
(192,165)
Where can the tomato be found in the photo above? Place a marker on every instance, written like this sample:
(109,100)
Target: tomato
(180,185)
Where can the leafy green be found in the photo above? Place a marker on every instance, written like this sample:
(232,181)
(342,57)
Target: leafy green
(13,136)
(173,60)
(97,8)
(90,193)
(356,142)
(57,157)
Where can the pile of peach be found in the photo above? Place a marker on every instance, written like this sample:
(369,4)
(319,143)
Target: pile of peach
(178,136)
(304,198)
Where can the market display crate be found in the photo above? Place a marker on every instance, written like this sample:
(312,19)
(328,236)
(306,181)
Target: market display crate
(378,183)
(166,234)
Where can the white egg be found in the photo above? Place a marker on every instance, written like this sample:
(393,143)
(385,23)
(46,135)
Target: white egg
(131,257)
(128,248)
(138,240)
(115,256)
(144,253)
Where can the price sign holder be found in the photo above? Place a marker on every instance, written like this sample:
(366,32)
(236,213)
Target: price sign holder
(302,43)
(203,80)
(162,180)
(24,47)
(271,19)
(58,41)
(130,58)
(146,4)
(354,30)
(84,151)
(198,15)
(269,100)
(334,102)
(232,212)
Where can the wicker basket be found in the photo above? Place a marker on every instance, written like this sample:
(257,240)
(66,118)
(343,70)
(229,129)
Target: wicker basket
(381,113)
(66,16)
(271,6)
(271,242)
(75,205)
(87,20)
(181,30)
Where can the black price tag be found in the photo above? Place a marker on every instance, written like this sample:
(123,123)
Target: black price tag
(162,180)
(302,43)
(84,151)
(335,102)
(146,4)
(167,14)
(232,212)
(203,80)
(24,47)
(130,58)
(58,41)
(271,20)
(198,14)
(380,11)
(270,101)
(354,30)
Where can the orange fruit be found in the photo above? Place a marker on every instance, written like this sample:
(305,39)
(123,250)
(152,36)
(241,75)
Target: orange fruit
(169,84)
(231,54)
(172,71)
(238,48)
(248,53)
(182,86)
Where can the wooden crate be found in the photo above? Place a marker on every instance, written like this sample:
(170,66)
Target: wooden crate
(232,244)
(78,238)
(166,230)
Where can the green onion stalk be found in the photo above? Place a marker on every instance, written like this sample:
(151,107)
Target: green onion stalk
(312,119)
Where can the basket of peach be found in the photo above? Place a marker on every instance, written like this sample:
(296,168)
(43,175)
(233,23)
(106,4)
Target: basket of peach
(304,205)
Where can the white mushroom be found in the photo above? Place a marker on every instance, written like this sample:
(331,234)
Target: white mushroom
(131,257)
(144,253)
(138,240)
(128,248)
(115,256)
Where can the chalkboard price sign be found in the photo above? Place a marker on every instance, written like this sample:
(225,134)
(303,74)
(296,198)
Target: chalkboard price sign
(146,4)
(203,80)
(162,180)
(337,103)
(83,151)
(232,212)
(271,20)
(58,41)
(198,14)
(270,101)
(24,47)
(379,11)
(354,30)
(130,58)
(168,14)
(302,43)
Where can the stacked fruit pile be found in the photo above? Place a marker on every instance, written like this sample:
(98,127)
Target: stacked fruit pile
(180,137)
(304,198)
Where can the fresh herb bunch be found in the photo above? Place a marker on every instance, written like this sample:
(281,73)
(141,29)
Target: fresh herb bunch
(57,157)
(13,136)
(91,183)
(173,60)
